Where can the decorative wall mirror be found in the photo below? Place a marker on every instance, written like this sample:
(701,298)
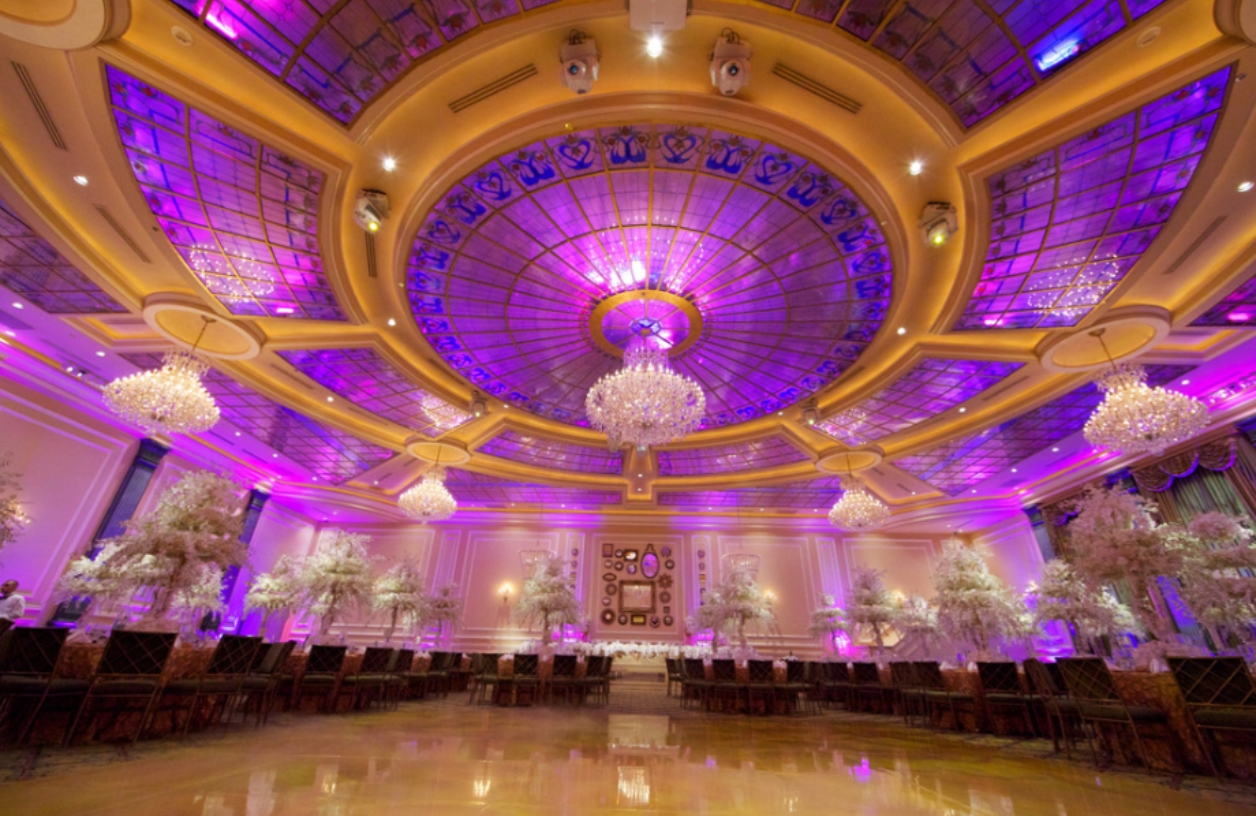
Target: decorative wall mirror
(608,616)
(649,565)
(636,596)
(630,555)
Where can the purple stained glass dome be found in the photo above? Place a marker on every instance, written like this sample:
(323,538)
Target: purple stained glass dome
(554,453)
(1070,223)
(241,214)
(542,262)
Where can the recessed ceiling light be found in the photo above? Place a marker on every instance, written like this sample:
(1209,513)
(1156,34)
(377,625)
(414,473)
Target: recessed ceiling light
(331,399)
(974,490)
(654,46)
(237,433)
(962,409)
(916,167)
(902,330)
(315,478)
(1245,186)
(1055,450)
(80,180)
(274,456)
(102,354)
(70,369)
(11,333)
(913,492)
(390,164)
(377,483)
(640,475)
(1186,382)
(1013,470)
(392,321)
(17,305)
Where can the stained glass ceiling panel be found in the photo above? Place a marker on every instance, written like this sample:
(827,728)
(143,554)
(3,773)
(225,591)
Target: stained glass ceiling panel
(977,56)
(773,272)
(370,382)
(759,453)
(329,453)
(1235,309)
(554,453)
(814,494)
(962,463)
(243,216)
(342,55)
(33,268)
(1070,223)
(480,490)
(930,388)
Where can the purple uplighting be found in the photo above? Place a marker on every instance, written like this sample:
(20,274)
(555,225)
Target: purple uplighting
(1235,309)
(341,56)
(931,388)
(553,453)
(241,214)
(330,454)
(813,494)
(1070,223)
(33,268)
(370,382)
(784,266)
(962,463)
(481,490)
(976,57)
(758,453)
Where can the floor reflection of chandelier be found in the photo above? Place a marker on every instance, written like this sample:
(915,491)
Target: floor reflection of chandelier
(858,509)
(167,400)
(742,562)
(429,500)
(645,403)
(1135,417)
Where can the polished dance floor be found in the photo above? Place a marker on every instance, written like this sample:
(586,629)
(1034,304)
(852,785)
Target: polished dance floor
(642,754)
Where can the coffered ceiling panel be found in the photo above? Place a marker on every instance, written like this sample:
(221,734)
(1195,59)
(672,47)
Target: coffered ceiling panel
(554,453)
(749,455)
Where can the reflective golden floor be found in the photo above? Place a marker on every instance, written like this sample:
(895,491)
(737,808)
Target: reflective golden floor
(443,757)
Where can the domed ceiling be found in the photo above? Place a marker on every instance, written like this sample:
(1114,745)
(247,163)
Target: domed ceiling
(1092,151)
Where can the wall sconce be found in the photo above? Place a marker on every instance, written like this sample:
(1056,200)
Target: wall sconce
(504,591)
(769,595)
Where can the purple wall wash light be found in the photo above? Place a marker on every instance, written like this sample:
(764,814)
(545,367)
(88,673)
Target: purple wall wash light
(481,490)
(962,463)
(1070,223)
(241,214)
(784,266)
(553,453)
(329,453)
(370,382)
(759,453)
(930,388)
(1235,309)
(341,56)
(33,268)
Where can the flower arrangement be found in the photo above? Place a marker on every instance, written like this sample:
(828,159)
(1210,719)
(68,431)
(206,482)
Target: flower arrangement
(871,609)
(973,605)
(1219,576)
(196,524)
(1090,613)
(547,599)
(734,603)
(336,577)
(916,619)
(444,606)
(274,591)
(190,604)
(398,593)
(827,621)
(12,520)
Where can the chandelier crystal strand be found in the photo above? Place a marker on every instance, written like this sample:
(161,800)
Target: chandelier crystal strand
(169,400)
(858,509)
(1135,417)
(429,500)
(645,403)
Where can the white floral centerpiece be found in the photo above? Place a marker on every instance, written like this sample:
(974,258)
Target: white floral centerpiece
(275,591)
(734,603)
(12,519)
(547,600)
(871,608)
(1090,613)
(196,524)
(827,621)
(917,621)
(190,604)
(444,607)
(398,593)
(974,606)
(336,577)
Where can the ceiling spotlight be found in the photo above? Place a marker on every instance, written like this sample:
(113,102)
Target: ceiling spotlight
(1055,450)
(17,305)
(962,409)
(902,330)
(578,62)
(237,433)
(392,321)
(80,180)
(370,209)
(331,398)
(730,63)
(102,354)
(810,413)
(1013,470)
(1245,186)
(1186,382)
(939,221)
(916,167)
(478,406)
(654,46)
(390,164)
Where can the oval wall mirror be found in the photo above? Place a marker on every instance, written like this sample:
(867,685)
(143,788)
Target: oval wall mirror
(649,565)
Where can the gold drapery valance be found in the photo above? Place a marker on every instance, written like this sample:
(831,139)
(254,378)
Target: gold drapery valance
(1217,455)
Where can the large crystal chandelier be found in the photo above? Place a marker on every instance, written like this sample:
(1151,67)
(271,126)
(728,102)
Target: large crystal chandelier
(645,403)
(170,399)
(429,500)
(1135,417)
(858,509)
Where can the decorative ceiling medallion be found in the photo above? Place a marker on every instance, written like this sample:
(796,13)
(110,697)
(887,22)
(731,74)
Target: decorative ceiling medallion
(769,275)
(444,453)
(181,319)
(860,459)
(1128,332)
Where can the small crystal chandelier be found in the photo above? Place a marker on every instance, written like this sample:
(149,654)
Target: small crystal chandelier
(429,500)
(167,400)
(742,562)
(857,509)
(645,403)
(1135,417)
(530,559)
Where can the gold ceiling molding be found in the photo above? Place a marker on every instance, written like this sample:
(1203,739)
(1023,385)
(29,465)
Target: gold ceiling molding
(65,25)
(186,321)
(851,461)
(1128,332)
(437,452)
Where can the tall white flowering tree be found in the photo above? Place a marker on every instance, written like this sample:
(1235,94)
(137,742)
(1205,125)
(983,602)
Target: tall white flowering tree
(916,621)
(1219,576)
(871,608)
(399,595)
(445,607)
(547,600)
(732,605)
(974,606)
(827,621)
(12,518)
(336,577)
(275,591)
(196,525)
(1090,613)
(190,604)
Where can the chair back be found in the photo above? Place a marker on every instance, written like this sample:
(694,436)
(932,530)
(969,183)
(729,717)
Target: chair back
(999,677)
(1214,681)
(136,654)
(375,660)
(594,665)
(234,655)
(326,659)
(31,651)
(797,671)
(724,671)
(527,665)
(761,671)
(405,660)
(867,674)
(274,658)
(1043,682)
(607,662)
(1088,678)
(564,666)
(902,675)
(928,675)
(836,672)
(447,661)
(694,668)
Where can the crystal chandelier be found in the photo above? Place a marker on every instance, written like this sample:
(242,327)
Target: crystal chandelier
(531,558)
(429,500)
(858,509)
(742,562)
(170,399)
(1135,417)
(645,403)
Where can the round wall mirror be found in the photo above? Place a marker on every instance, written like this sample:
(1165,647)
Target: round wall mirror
(649,565)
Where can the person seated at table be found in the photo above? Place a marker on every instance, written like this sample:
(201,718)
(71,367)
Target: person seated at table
(12,605)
